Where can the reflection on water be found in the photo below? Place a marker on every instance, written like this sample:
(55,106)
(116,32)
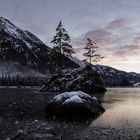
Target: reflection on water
(122,108)
(22,115)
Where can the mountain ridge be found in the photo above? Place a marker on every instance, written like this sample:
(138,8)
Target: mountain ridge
(111,75)
(21,42)
(25,48)
(21,45)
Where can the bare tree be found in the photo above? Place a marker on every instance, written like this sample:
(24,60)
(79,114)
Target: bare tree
(91,52)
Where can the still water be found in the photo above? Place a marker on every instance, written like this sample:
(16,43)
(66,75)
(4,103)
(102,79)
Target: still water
(22,117)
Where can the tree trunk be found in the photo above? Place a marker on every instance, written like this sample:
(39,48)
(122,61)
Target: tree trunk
(90,60)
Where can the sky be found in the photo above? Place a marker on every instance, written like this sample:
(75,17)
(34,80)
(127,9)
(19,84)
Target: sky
(113,24)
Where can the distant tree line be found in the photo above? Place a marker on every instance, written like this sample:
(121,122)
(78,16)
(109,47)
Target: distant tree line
(122,83)
(8,80)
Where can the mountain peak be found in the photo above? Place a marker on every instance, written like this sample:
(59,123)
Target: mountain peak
(5,22)
(19,42)
(8,27)
(14,31)
(2,18)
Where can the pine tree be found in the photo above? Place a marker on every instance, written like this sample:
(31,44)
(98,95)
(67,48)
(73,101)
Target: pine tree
(61,44)
(91,51)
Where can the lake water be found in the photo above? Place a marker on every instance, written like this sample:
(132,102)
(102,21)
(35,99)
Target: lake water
(22,117)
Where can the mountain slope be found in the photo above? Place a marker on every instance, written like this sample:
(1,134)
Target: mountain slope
(111,75)
(24,49)
(17,44)
(23,53)
(13,69)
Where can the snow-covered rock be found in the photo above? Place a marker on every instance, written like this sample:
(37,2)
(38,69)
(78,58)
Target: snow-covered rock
(74,104)
(84,79)
(136,84)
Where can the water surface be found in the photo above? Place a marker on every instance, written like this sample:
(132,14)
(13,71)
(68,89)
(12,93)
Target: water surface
(22,116)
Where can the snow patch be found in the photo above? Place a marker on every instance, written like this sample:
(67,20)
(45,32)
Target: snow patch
(72,97)
(11,68)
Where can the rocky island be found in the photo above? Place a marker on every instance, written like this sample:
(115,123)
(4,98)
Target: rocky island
(83,78)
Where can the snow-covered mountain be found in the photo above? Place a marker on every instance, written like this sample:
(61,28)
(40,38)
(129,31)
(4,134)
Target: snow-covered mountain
(111,75)
(22,53)
(17,44)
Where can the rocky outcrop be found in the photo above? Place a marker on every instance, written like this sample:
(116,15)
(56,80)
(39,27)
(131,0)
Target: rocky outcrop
(76,104)
(84,79)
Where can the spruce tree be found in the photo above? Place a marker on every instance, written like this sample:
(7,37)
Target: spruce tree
(61,44)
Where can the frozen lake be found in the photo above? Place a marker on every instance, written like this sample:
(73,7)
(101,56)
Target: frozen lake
(22,116)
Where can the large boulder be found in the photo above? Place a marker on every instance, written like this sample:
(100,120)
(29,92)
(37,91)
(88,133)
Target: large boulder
(84,79)
(76,104)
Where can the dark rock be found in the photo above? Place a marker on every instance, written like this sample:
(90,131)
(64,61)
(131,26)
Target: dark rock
(76,104)
(85,79)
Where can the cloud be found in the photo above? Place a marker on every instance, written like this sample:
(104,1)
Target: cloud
(136,40)
(117,40)
(106,35)
(118,24)
(108,22)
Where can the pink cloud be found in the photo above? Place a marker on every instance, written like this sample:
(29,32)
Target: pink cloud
(118,24)
(137,40)
(127,51)
(109,39)
(105,35)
